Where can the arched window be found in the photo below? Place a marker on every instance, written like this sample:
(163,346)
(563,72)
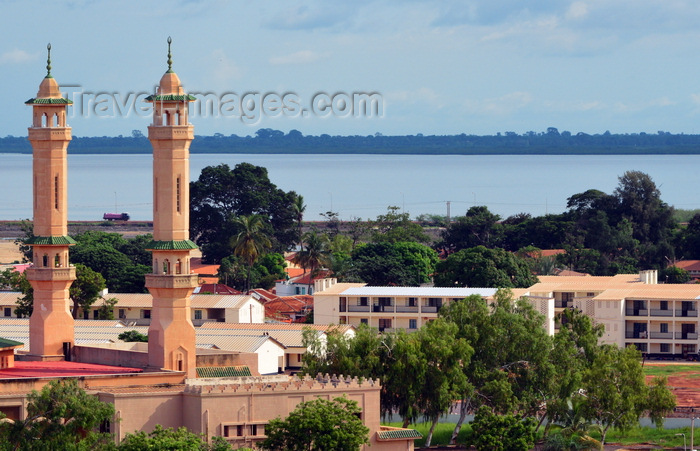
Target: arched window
(155,266)
(166,266)
(178,267)
(57,261)
(45,261)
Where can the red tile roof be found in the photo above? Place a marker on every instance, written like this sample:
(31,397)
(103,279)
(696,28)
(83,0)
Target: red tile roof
(61,369)
(688,265)
(217,288)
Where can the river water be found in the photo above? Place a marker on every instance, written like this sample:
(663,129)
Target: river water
(364,185)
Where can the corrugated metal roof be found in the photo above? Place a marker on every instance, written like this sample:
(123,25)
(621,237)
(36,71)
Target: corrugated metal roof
(397,434)
(224,371)
(419,291)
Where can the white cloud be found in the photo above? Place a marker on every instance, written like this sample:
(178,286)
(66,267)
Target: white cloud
(300,57)
(16,56)
(577,11)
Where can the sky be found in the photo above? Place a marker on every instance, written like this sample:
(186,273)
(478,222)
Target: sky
(431,66)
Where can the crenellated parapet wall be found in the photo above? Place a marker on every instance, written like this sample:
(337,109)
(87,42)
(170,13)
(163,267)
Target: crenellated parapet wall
(262,384)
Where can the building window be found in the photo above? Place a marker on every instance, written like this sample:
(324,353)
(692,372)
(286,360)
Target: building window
(412,302)
(95,314)
(363,301)
(364,321)
(385,302)
(384,323)
(55,192)
(146,314)
(665,347)
(122,313)
(8,311)
(177,195)
(663,305)
(197,314)
(412,324)
(663,328)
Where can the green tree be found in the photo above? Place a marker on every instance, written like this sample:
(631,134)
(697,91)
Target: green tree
(60,416)
(221,194)
(314,255)
(394,227)
(510,366)
(318,425)
(103,252)
(106,310)
(492,432)
(299,209)
(443,355)
(479,227)
(85,290)
(616,394)
(169,439)
(133,336)
(483,267)
(251,242)
(400,263)
(673,274)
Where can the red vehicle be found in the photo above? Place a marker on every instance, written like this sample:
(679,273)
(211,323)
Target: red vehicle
(116,216)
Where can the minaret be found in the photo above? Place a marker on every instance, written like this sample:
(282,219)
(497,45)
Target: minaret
(171,335)
(51,324)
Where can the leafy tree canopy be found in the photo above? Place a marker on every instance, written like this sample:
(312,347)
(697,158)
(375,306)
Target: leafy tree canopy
(221,194)
(400,263)
(483,267)
(318,425)
(169,439)
(60,416)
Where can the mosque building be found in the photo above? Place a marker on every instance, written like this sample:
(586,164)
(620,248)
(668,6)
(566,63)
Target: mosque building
(167,381)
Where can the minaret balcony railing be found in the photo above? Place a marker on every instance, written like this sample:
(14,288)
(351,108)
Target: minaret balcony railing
(172,281)
(47,134)
(171,132)
(61,273)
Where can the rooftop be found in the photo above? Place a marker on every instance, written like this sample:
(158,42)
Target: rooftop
(24,369)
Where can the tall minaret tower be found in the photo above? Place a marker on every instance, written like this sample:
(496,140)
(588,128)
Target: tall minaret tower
(171,335)
(51,324)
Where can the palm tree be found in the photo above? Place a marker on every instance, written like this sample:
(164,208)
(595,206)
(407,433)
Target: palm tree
(251,242)
(299,209)
(314,255)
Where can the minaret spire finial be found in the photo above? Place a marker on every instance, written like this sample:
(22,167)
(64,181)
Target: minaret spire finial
(170,57)
(48,61)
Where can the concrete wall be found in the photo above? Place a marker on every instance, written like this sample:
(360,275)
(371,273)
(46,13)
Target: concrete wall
(223,358)
(111,356)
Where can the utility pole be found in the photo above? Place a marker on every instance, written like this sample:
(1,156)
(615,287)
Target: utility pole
(448,211)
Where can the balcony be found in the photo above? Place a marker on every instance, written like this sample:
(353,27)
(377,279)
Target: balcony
(429,309)
(636,312)
(659,312)
(686,336)
(632,334)
(358,308)
(383,308)
(661,335)
(686,313)
(406,309)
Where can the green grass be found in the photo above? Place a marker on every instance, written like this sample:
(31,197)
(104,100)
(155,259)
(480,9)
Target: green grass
(660,437)
(669,370)
(441,435)
(635,436)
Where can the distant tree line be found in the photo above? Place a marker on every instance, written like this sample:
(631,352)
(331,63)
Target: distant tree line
(271,141)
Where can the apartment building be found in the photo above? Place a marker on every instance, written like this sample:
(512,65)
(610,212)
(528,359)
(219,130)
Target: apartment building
(385,308)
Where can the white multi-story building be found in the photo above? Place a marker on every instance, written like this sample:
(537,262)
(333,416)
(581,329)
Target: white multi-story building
(659,319)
